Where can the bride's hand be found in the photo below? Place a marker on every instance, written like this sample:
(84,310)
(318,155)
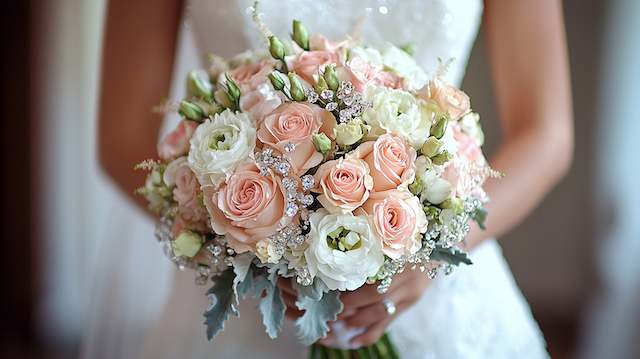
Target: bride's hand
(365,308)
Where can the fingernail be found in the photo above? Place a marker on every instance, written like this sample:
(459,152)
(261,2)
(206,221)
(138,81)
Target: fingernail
(355,345)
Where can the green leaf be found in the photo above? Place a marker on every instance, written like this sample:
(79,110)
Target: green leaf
(242,267)
(313,291)
(451,255)
(224,303)
(480,216)
(271,306)
(313,323)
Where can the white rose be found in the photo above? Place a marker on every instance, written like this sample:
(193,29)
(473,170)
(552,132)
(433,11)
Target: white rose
(340,269)
(219,145)
(397,112)
(403,65)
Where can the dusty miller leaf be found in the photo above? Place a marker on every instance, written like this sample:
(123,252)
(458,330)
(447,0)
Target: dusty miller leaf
(271,307)
(452,256)
(313,291)
(243,268)
(224,303)
(312,325)
(480,216)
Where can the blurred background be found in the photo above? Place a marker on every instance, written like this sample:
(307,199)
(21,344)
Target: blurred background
(575,257)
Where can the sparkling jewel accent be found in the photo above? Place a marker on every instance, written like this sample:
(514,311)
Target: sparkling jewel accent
(326,95)
(307,182)
(289,147)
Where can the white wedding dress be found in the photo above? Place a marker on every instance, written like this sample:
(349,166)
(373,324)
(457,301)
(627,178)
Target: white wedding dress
(476,312)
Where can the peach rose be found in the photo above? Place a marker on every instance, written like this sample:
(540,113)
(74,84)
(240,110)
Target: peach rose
(391,160)
(295,123)
(319,42)
(448,98)
(247,208)
(343,184)
(310,63)
(468,147)
(398,220)
(176,143)
(250,76)
(361,73)
(259,102)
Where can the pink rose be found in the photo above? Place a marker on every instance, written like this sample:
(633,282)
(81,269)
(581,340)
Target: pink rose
(247,208)
(186,190)
(295,123)
(310,63)
(319,42)
(361,73)
(250,76)
(457,172)
(176,143)
(259,102)
(468,147)
(343,184)
(448,98)
(398,220)
(391,160)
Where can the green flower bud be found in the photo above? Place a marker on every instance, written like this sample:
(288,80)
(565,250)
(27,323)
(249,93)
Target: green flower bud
(441,158)
(320,85)
(321,142)
(348,133)
(198,85)
(276,48)
(300,35)
(431,147)
(455,204)
(409,48)
(296,90)
(276,81)
(191,111)
(331,78)
(232,88)
(416,187)
(438,128)
(222,97)
(187,244)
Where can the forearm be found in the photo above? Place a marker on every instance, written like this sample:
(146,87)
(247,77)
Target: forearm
(532,162)
(137,63)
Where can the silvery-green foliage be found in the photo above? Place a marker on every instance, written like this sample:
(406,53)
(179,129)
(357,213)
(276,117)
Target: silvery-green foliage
(312,325)
(224,303)
(451,255)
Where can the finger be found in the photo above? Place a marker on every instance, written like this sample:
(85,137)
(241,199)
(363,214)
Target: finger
(346,313)
(372,334)
(329,340)
(289,300)
(370,315)
(360,297)
(286,286)
(293,313)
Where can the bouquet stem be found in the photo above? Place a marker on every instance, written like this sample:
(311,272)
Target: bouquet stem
(382,349)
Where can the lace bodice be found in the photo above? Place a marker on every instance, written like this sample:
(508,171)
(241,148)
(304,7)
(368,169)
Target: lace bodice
(442,29)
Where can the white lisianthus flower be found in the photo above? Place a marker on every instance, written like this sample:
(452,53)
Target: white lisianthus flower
(343,250)
(403,65)
(397,112)
(435,189)
(218,146)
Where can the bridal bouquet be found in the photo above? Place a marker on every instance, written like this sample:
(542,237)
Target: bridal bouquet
(333,164)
